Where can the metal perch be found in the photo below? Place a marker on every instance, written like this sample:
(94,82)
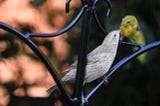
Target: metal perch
(87,10)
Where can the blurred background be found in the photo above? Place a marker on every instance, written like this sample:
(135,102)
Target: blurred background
(23,77)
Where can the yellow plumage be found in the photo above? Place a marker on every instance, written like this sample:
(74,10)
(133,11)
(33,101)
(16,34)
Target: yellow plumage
(129,26)
(130,29)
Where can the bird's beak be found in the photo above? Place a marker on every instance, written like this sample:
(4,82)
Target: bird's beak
(122,25)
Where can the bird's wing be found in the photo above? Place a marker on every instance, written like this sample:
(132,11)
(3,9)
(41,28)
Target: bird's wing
(89,57)
(100,51)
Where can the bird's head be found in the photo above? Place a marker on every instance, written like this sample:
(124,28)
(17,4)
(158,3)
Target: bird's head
(129,26)
(112,38)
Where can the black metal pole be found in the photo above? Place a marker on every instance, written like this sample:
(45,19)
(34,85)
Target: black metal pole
(83,52)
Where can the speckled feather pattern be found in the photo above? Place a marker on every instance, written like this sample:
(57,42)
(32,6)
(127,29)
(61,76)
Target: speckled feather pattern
(99,60)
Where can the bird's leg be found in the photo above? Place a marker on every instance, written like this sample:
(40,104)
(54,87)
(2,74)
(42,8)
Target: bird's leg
(83,99)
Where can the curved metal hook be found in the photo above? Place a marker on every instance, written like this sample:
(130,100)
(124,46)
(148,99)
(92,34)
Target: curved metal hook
(99,23)
(62,30)
(108,2)
(67,9)
(109,6)
(96,17)
(67,5)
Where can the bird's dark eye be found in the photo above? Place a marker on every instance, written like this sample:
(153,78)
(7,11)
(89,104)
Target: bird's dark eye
(128,22)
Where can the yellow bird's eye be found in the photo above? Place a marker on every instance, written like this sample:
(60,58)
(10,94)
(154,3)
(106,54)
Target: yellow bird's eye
(129,26)
(128,22)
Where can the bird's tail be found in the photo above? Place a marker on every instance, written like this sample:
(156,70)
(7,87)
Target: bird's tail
(51,89)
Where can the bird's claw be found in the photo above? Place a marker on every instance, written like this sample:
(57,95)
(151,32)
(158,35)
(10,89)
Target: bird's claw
(83,101)
(105,78)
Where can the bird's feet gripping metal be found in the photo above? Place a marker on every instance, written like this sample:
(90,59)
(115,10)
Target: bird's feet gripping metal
(105,78)
(83,100)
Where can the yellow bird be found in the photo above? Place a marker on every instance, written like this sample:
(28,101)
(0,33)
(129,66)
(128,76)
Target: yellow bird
(130,29)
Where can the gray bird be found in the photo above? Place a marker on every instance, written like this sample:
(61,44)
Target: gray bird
(99,60)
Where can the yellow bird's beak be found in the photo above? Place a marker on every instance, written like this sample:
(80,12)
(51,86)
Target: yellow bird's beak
(122,25)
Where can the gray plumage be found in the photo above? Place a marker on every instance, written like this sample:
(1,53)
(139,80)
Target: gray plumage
(99,60)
